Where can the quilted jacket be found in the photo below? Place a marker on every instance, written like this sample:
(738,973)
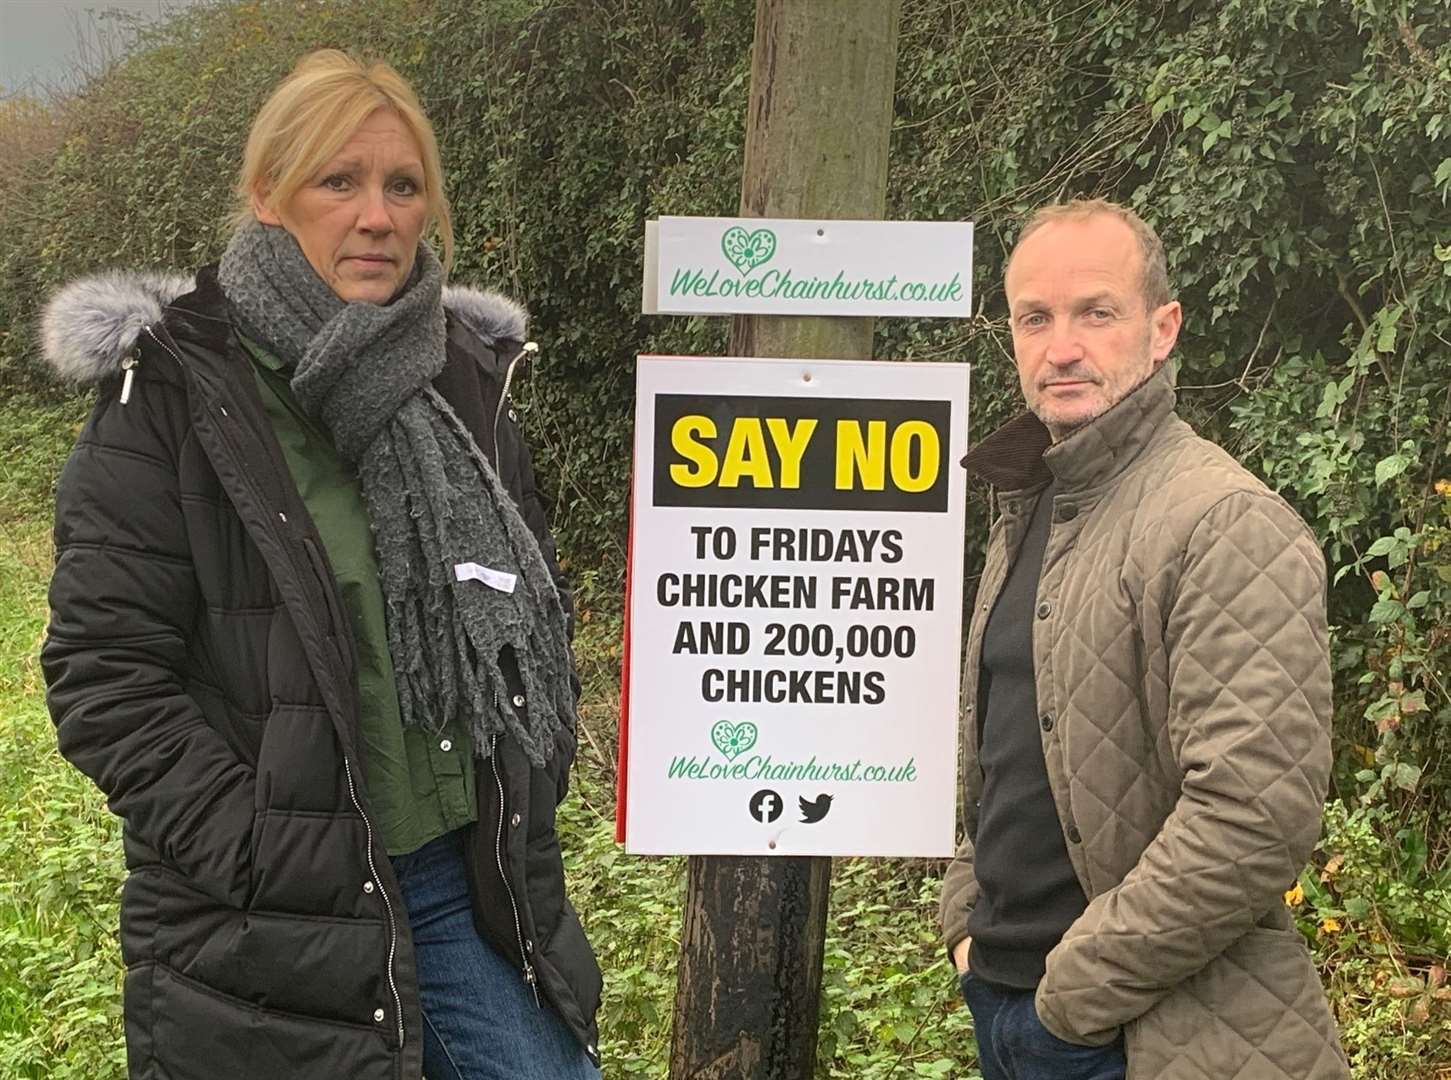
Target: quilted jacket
(1183,684)
(201,670)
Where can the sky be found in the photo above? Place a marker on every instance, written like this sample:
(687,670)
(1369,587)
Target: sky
(42,40)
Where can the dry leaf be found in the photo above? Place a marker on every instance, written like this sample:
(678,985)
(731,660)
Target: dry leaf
(1405,986)
(1332,867)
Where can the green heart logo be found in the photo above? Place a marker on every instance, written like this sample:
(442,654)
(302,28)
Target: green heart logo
(733,740)
(746,251)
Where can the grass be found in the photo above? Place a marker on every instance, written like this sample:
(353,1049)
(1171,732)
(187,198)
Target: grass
(889,1007)
(60,859)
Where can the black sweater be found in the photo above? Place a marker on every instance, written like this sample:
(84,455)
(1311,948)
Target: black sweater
(1029,892)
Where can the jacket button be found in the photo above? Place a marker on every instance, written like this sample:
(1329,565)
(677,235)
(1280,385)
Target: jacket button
(368,886)
(378,1015)
(446,745)
(529,947)
(1045,609)
(1067,512)
(1047,722)
(1072,834)
(518,700)
(513,415)
(514,821)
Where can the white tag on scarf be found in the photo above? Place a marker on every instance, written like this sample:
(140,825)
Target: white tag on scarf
(494,579)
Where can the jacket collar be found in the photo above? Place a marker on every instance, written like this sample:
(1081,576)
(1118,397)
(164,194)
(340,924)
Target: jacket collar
(1022,454)
(91,325)
(202,313)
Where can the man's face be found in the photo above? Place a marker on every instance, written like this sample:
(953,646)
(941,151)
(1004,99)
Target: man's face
(1082,336)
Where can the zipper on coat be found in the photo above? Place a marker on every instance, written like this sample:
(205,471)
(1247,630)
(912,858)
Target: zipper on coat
(169,350)
(347,767)
(382,891)
(499,860)
(135,360)
(221,429)
(528,349)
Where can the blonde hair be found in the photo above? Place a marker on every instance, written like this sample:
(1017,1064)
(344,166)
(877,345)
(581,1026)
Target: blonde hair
(1154,277)
(310,116)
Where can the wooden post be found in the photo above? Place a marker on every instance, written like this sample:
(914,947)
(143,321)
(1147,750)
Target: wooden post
(819,122)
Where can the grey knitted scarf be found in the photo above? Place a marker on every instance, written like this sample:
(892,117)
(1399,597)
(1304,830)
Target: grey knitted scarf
(463,577)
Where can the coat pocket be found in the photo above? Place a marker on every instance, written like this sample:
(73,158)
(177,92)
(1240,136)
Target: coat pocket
(202,1034)
(571,959)
(1257,1010)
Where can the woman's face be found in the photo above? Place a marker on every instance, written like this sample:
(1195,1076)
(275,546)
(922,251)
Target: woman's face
(358,218)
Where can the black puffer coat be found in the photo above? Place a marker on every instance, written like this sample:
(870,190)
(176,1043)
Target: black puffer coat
(201,671)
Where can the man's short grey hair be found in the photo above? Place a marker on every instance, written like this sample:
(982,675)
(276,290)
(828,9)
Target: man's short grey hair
(1154,280)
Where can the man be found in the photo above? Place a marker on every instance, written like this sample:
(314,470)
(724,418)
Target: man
(1146,745)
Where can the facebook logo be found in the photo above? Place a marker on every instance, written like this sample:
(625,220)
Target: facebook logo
(766,806)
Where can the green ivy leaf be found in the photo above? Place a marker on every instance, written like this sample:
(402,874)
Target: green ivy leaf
(1443,173)
(1402,774)
(1388,468)
(1389,320)
(1384,611)
(1331,398)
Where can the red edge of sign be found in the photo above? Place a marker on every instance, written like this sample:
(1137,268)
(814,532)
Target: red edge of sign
(622,771)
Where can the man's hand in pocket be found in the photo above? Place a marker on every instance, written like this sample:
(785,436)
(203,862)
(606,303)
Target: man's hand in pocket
(959,955)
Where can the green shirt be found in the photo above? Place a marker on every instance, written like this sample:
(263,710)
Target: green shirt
(420,785)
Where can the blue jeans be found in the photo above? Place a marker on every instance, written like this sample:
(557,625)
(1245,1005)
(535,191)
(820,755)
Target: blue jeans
(480,1020)
(1013,1044)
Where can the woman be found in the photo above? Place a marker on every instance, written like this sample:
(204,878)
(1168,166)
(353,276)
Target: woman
(309,636)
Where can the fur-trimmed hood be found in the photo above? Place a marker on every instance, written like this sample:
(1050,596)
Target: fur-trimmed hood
(89,326)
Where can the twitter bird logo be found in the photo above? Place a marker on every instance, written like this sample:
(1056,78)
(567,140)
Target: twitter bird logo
(812,812)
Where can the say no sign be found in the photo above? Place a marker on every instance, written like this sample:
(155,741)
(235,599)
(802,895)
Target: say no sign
(795,605)
(785,452)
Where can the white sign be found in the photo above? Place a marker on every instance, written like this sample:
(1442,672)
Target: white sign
(780,266)
(795,607)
